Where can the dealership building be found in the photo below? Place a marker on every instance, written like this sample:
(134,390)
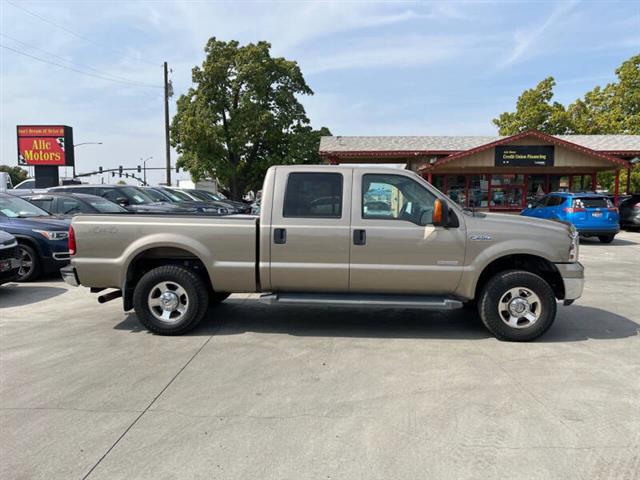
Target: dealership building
(496,172)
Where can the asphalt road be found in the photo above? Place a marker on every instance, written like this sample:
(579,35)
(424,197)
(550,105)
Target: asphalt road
(322,393)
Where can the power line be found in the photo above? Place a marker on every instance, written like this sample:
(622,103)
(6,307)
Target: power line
(80,71)
(85,67)
(75,34)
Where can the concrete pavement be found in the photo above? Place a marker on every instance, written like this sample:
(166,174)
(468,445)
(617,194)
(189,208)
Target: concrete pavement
(322,393)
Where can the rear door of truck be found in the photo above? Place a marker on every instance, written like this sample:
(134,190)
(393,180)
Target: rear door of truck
(310,230)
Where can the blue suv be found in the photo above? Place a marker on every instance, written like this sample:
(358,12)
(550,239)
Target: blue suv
(592,214)
(42,238)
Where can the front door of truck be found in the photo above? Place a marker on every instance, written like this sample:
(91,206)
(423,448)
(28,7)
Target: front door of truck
(394,246)
(310,232)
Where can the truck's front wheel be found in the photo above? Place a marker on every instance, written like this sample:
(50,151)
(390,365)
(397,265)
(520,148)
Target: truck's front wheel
(170,300)
(517,306)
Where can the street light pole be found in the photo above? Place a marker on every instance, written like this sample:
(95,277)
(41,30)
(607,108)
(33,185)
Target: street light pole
(144,169)
(77,145)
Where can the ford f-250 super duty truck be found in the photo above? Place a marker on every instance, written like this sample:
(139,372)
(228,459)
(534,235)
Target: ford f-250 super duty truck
(334,235)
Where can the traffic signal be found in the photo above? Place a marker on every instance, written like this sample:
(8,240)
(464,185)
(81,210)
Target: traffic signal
(177,169)
(139,169)
(126,175)
(113,174)
(99,169)
(120,170)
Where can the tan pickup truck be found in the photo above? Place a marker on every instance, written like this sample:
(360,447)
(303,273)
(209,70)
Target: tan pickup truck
(336,235)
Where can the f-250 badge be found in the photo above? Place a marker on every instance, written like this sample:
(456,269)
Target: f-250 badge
(483,237)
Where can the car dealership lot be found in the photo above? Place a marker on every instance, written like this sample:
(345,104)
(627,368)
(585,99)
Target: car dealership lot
(306,393)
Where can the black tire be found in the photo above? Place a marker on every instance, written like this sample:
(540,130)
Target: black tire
(497,289)
(194,301)
(218,297)
(34,270)
(606,238)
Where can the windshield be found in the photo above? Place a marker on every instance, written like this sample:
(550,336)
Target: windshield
(200,195)
(179,196)
(209,195)
(104,206)
(156,195)
(135,196)
(15,207)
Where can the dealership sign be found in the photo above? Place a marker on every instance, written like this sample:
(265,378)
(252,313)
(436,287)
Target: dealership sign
(524,156)
(45,145)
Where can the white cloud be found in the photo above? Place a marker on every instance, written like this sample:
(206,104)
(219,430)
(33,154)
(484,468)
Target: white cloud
(525,39)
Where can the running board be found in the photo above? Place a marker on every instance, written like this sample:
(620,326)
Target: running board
(362,300)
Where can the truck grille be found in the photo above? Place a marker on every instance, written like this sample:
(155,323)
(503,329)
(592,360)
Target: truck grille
(13,252)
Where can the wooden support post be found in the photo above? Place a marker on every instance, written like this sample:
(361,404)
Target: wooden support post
(616,190)
(430,177)
(594,181)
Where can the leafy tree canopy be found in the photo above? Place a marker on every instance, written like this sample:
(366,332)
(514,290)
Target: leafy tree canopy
(243,115)
(17,174)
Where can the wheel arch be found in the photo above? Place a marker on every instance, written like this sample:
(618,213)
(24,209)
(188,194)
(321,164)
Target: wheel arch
(527,262)
(156,256)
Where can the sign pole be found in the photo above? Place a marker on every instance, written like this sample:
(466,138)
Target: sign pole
(166,123)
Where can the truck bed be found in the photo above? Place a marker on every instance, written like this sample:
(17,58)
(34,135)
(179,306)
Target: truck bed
(108,244)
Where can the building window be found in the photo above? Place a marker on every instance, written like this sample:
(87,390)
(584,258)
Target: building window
(536,187)
(513,179)
(313,195)
(478,191)
(456,189)
(558,183)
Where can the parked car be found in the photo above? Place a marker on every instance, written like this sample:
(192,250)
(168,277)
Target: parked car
(42,238)
(171,196)
(132,198)
(592,214)
(70,204)
(630,211)
(315,244)
(239,207)
(9,257)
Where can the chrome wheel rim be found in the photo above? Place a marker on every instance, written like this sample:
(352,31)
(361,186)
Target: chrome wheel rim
(168,302)
(520,307)
(26,263)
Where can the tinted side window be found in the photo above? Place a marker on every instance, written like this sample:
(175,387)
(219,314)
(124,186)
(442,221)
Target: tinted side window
(313,195)
(44,204)
(69,206)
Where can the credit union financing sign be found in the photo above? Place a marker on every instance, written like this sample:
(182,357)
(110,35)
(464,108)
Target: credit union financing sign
(524,155)
(45,145)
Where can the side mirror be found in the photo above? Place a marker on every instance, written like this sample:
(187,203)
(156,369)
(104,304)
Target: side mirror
(440,214)
(122,201)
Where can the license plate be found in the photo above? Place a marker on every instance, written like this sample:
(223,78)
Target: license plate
(596,214)
(5,265)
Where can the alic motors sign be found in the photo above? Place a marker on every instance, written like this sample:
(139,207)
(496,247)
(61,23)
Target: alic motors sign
(45,145)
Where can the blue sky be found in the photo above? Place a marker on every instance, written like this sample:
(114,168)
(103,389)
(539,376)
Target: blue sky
(377,68)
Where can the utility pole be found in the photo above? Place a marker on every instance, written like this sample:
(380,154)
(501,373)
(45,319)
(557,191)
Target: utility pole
(166,123)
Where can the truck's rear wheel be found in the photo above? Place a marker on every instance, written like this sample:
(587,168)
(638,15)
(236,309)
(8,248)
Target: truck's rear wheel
(517,306)
(170,300)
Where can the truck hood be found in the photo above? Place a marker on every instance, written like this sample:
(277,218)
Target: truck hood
(505,219)
(40,223)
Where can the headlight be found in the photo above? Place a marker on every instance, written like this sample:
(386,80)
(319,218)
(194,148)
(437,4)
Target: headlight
(52,234)
(575,244)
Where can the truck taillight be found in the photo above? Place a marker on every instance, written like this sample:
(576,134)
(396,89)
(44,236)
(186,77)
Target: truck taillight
(72,241)
(573,209)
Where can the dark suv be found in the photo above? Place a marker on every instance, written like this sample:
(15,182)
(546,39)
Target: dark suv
(131,198)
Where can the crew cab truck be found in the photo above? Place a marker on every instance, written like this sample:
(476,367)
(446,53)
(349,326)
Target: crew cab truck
(336,235)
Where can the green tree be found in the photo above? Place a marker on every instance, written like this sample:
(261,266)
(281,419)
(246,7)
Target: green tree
(242,115)
(17,174)
(535,111)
